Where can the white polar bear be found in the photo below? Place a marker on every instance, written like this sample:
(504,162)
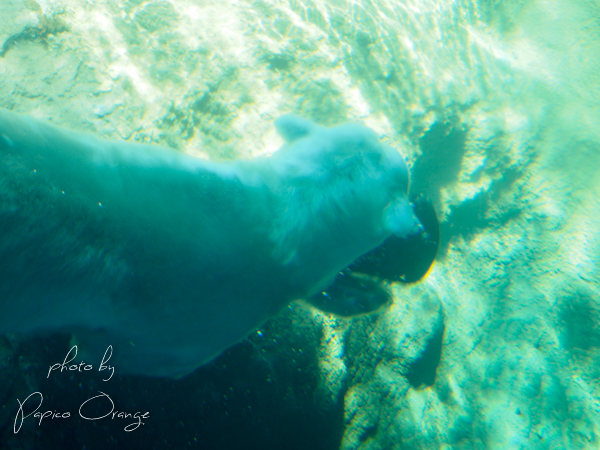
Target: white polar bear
(172,259)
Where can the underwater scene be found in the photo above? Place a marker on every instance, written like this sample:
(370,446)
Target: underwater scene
(303,224)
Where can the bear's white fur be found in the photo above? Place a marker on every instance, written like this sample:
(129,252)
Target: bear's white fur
(172,259)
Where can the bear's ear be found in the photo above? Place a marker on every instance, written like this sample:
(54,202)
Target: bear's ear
(291,127)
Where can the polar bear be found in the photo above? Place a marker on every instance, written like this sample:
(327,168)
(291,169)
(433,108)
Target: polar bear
(172,259)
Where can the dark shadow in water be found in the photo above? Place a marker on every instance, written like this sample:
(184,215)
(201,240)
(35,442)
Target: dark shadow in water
(579,322)
(260,394)
(472,215)
(423,370)
(442,150)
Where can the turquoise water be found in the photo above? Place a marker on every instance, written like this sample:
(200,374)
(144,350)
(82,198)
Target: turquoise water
(494,107)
